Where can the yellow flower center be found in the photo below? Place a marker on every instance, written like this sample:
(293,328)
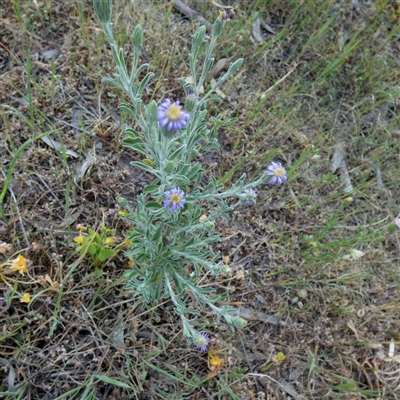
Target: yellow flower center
(279,172)
(174,112)
(175,198)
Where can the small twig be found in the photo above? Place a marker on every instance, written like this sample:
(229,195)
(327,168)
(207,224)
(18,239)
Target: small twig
(194,15)
(19,216)
(283,386)
(268,27)
(257,31)
(12,164)
(18,212)
(293,196)
(339,163)
(379,180)
(9,51)
(280,80)
(49,190)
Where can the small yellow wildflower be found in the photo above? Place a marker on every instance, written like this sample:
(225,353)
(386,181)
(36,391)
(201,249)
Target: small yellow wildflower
(19,264)
(280,357)
(26,298)
(123,213)
(214,362)
(203,218)
(47,279)
(79,239)
(109,240)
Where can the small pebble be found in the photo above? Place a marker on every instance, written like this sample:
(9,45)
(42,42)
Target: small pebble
(51,53)
(302,293)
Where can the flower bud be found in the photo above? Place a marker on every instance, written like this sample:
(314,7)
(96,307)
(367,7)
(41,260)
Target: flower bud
(169,166)
(239,322)
(234,67)
(122,202)
(226,270)
(151,112)
(191,101)
(103,10)
(209,225)
(199,35)
(137,37)
(217,27)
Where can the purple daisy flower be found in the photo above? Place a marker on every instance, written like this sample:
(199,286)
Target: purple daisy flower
(397,222)
(250,197)
(174,199)
(202,341)
(278,173)
(171,116)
